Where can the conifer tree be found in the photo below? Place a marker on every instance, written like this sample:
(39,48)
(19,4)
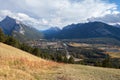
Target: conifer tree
(2,36)
(71,60)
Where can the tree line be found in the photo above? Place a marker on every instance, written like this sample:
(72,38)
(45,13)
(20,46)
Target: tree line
(58,57)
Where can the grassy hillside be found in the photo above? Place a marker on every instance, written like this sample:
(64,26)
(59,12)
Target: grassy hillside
(19,65)
(114,55)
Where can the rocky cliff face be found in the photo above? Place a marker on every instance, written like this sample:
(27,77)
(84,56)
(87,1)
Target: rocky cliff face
(19,30)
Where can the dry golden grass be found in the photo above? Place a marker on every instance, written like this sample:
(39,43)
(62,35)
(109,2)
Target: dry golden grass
(19,65)
(114,54)
(80,72)
(6,51)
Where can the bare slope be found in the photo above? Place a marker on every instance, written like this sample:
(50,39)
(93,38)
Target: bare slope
(16,64)
(19,65)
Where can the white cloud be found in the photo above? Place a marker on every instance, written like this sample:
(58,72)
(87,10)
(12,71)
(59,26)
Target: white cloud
(37,23)
(48,13)
(112,18)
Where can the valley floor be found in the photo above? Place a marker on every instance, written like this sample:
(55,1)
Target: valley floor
(19,65)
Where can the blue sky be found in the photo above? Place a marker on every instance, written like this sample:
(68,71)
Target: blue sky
(116,2)
(43,14)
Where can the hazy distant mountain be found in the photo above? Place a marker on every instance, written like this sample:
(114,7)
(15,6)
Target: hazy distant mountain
(19,30)
(51,32)
(88,30)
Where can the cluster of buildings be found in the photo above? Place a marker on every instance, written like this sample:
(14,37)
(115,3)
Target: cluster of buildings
(45,44)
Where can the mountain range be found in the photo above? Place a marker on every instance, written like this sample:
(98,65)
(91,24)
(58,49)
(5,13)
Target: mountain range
(13,27)
(85,30)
